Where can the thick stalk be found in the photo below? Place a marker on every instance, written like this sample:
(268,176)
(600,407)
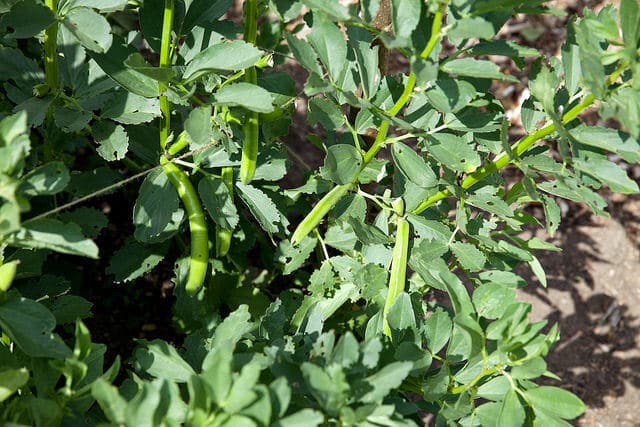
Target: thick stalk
(303,229)
(165,58)
(408,89)
(251,127)
(51,48)
(518,148)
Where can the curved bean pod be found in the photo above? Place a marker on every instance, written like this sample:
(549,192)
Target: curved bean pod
(398,268)
(318,212)
(197,225)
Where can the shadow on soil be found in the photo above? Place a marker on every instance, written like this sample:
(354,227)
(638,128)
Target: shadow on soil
(591,356)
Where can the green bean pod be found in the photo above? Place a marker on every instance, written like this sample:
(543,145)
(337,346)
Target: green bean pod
(398,268)
(223,235)
(7,274)
(197,225)
(319,211)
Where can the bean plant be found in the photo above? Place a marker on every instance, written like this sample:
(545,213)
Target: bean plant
(380,289)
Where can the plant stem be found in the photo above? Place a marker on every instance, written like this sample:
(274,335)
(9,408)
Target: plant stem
(251,127)
(408,89)
(51,48)
(518,148)
(333,197)
(165,58)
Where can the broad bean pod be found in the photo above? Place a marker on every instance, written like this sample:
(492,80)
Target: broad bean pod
(197,225)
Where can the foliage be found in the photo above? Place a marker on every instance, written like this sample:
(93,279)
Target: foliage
(293,321)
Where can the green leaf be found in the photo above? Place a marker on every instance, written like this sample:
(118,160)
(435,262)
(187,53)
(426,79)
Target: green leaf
(330,44)
(608,173)
(55,235)
(630,22)
(530,370)
(104,6)
(453,152)
(90,28)
(502,48)
(332,8)
(11,380)
(555,401)
(30,326)
(342,164)
(413,166)
(543,88)
(161,360)
(303,418)
(466,339)
(216,371)
(128,108)
(469,257)
(50,178)
(368,234)
(68,309)
(511,411)
(492,299)
(112,404)
(304,53)
(405,15)
(27,19)
(217,201)
(156,214)
(292,257)
(486,199)
(329,387)
(198,127)
(202,12)
(134,259)
(570,189)
(611,140)
(626,104)
(385,380)
(478,68)
(90,220)
(246,95)
(401,315)
(450,96)
(229,56)
(471,27)
(437,330)
(112,63)
(495,389)
(435,386)
(113,141)
(136,62)
(326,112)
(234,327)
(262,208)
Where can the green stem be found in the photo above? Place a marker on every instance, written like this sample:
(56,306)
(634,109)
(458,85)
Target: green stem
(333,197)
(165,58)
(251,127)
(51,48)
(518,148)
(381,138)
